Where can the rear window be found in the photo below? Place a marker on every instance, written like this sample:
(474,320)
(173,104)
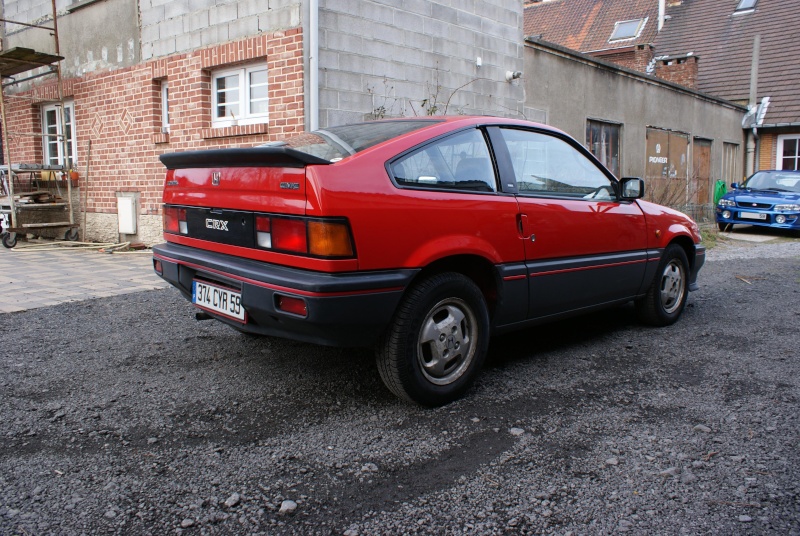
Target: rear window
(336,143)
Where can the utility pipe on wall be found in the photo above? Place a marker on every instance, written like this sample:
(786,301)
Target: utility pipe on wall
(749,162)
(313,65)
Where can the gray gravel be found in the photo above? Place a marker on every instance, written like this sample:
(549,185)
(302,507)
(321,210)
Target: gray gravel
(126,416)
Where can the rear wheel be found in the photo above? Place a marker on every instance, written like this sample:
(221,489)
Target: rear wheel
(9,240)
(666,297)
(437,342)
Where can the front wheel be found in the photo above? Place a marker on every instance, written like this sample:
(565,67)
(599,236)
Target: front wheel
(71,235)
(725,227)
(437,342)
(666,297)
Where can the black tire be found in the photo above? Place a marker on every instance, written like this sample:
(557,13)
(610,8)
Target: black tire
(666,297)
(71,234)
(723,227)
(435,346)
(9,240)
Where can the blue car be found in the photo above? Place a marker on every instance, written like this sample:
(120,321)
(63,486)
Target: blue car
(766,199)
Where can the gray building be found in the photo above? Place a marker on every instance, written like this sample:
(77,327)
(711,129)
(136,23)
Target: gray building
(680,140)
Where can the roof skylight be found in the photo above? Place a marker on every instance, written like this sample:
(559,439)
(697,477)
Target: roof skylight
(629,29)
(746,5)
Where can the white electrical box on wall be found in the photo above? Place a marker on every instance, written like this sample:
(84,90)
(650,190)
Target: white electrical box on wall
(126,213)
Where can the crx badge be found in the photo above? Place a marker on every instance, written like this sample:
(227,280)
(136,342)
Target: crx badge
(215,178)
(220,225)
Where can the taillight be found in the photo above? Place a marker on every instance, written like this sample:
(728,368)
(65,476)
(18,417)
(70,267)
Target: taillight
(318,238)
(175,220)
(329,239)
(289,235)
(263,232)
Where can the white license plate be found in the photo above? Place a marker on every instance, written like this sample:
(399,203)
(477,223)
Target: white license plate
(752,216)
(219,300)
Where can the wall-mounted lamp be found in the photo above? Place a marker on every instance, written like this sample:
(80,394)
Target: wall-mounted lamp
(513,75)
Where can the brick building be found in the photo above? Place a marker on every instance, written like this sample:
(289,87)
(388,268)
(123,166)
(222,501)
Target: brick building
(153,76)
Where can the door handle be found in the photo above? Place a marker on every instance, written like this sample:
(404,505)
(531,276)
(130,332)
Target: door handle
(523,227)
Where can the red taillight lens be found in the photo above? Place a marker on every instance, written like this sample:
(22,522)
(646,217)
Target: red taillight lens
(295,306)
(175,220)
(289,235)
(262,224)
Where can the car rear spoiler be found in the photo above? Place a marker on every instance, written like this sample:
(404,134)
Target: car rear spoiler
(241,157)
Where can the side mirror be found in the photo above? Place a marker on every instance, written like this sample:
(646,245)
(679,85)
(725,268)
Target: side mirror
(735,185)
(632,188)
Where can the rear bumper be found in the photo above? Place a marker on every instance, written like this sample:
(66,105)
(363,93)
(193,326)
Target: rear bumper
(349,309)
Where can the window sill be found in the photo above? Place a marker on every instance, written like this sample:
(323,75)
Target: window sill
(238,130)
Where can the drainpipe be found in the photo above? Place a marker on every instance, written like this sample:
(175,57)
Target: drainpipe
(313,65)
(749,163)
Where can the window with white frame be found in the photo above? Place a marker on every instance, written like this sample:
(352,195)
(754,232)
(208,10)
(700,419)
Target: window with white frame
(788,152)
(55,132)
(164,106)
(240,96)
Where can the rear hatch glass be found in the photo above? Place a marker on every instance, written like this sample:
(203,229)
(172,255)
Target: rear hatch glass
(335,143)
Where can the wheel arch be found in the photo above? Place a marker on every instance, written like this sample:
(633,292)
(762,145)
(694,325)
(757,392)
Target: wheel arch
(687,245)
(478,269)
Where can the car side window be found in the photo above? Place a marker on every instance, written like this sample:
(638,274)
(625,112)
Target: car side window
(458,162)
(549,166)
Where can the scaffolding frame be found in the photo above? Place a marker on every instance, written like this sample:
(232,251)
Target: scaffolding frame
(21,60)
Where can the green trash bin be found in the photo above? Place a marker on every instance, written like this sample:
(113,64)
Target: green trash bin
(719,191)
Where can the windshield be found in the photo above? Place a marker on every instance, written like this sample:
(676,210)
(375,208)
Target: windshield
(335,143)
(777,181)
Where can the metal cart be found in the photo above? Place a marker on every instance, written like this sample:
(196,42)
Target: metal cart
(39,200)
(35,199)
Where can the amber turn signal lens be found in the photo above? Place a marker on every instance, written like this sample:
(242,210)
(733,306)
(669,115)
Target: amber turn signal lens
(329,239)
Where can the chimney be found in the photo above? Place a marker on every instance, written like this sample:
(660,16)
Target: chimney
(661,11)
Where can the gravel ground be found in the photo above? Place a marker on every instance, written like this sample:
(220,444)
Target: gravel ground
(126,416)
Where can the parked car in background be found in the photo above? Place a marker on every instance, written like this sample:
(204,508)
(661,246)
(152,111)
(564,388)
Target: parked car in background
(421,237)
(766,199)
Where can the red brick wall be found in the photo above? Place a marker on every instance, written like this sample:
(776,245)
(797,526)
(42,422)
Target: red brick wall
(636,58)
(681,71)
(767,151)
(120,112)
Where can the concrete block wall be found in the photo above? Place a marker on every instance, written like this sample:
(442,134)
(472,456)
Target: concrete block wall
(30,11)
(170,27)
(414,57)
(98,36)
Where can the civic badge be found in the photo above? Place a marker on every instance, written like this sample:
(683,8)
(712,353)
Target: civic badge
(215,178)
